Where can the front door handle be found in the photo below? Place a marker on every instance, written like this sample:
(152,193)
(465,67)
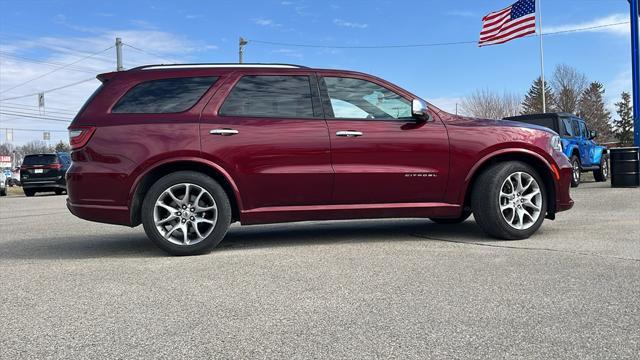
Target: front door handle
(223,132)
(349,133)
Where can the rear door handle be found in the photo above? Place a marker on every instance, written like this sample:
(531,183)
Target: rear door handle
(349,133)
(223,132)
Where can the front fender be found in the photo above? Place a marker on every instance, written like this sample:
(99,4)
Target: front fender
(598,152)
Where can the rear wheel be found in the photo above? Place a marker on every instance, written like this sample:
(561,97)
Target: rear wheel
(29,193)
(186,213)
(444,221)
(577,171)
(602,174)
(509,201)
(3,192)
(59,191)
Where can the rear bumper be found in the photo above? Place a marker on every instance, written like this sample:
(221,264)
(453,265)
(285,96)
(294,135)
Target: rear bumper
(44,184)
(118,215)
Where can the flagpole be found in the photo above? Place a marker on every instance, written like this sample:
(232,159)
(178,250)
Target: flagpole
(544,92)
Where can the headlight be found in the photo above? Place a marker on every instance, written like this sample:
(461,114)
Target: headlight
(556,143)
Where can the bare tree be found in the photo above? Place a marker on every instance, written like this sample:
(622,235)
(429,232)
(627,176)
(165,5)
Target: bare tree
(491,105)
(568,84)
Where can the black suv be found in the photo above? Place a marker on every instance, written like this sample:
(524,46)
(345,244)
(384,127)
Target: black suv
(44,172)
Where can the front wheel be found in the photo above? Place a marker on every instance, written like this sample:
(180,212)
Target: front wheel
(29,193)
(509,201)
(602,174)
(186,213)
(577,171)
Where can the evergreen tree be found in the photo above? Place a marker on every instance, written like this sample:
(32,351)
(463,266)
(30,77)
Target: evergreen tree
(532,103)
(62,147)
(594,113)
(624,125)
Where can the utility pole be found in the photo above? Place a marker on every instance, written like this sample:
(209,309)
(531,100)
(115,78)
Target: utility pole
(241,45)
(119,66)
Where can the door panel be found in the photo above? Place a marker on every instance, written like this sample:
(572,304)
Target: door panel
(584,145)
(380,154)
(280,159)
(392,162)
(275,162)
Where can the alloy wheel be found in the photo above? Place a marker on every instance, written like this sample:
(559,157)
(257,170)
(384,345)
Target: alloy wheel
(520,200)
(576,171)
(185,214)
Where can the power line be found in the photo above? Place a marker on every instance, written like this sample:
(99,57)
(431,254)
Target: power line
(35,130)
(425,44)
(35,111)
(73,111)
(34,117)
(57,69)
(49,90)
(149,53)
(45,62)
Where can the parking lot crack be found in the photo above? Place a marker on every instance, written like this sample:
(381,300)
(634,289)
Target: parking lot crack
(581,253)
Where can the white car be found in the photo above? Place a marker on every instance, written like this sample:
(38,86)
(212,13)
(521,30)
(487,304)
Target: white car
(3,184)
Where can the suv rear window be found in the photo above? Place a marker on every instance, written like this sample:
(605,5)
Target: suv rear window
(270,96)
(41,159)
(164,95)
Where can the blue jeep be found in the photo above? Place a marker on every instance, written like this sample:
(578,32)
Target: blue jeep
(577,143)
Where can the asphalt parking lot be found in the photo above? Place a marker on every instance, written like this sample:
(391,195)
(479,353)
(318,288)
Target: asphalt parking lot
(351,289)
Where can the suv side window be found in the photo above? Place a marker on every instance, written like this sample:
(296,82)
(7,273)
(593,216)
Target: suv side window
(583,130)
(164,95)
(576,127)
(276,96)
(567,128)
(360,99)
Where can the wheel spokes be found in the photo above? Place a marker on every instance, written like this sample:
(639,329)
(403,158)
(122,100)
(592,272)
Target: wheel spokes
(174,210)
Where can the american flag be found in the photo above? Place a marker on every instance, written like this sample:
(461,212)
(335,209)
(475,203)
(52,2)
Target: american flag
(516,21)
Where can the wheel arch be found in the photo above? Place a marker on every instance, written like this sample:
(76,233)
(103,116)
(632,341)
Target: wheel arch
(540,164)
(148,178)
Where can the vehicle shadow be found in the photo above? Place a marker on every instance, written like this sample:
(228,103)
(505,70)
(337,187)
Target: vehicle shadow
(136,245)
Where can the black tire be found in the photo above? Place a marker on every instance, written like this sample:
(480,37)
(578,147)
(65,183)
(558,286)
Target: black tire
(59,191)
(3,192)
(485,201)
(575,176)
(444,221)
(199,179)
(602,174)
(29,193)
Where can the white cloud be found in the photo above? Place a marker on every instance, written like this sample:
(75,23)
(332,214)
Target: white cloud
(462,13)
(350,24)
(289,53)
(266,22)
(15,69)
(596,25)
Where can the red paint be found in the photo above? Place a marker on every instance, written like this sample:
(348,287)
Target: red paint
(282,170)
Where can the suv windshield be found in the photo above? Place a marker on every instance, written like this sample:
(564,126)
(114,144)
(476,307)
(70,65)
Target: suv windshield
(41,159)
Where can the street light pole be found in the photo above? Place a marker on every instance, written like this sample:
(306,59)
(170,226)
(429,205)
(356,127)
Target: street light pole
(635,60)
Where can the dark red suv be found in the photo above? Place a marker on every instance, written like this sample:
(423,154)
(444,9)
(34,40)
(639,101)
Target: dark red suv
(188,149)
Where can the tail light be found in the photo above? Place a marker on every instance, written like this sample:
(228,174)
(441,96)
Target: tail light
(80,135)
(54,166)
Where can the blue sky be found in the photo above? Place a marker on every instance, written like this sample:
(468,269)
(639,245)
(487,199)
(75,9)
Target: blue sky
(38,36)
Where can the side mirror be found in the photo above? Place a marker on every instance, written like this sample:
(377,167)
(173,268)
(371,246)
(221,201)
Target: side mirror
(593,135)
(420,110)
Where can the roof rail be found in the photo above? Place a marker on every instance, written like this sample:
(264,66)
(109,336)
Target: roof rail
(215,65)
